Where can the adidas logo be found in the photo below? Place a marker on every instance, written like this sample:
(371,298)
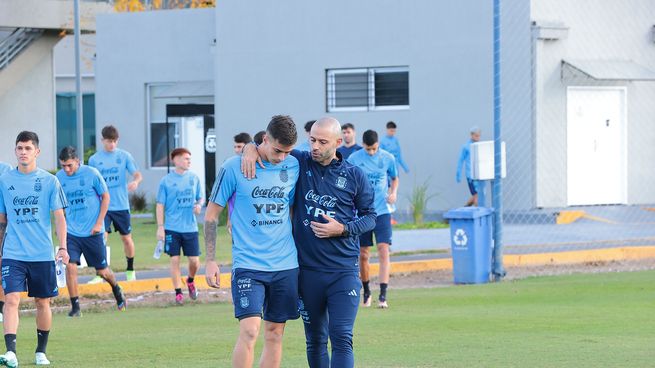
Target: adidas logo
(352,292)
(12,188)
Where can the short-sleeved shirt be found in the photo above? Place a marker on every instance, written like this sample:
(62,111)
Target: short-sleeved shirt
(179,193)
(84,190)
(261,227)
(27,200)
(379,168)
(4,167)
(114,167)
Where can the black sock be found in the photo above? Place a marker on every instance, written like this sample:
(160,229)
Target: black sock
(383,292)
(130,263)
(42,340)
(367,290)
(116,290)
(178,291)
(189,279)
(75,302)
(2,305)
(10,342)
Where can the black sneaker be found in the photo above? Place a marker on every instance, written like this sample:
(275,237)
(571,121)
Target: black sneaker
(75,313)
(367,300)
(121,303)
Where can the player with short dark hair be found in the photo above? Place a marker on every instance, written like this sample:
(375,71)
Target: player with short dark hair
(241,140)
(28,195)
(179,200)
(349,141)
(380,167)
(259,137)
(88,200)
(391,144)
(265,260)
(114,164)
(304,145)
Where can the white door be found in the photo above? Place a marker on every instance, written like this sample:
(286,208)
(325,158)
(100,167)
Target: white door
(192,138)
(596,146)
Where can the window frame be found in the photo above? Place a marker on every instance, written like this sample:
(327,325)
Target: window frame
(371,72)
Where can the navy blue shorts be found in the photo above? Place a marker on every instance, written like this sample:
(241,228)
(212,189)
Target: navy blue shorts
(37,278)
(382,232)
(275,292)
(187,242)
(92,247)
(121,221)
(472,186)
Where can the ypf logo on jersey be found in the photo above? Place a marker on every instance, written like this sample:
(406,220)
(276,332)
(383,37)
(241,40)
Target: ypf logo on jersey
(460,239)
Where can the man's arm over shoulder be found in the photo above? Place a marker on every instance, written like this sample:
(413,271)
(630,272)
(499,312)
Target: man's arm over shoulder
(363,201)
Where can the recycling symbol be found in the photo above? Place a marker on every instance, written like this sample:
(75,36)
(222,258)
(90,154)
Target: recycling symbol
(460,239)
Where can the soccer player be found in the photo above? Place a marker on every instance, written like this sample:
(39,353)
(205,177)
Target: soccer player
(304,145)
(114,164)
(27,197)
(265,261)
(349,141)
(259,137)
(380,167)
(240,140)
(4,167)
(179,200)
(328,194)
(391,144)
(464,162)
(88,200)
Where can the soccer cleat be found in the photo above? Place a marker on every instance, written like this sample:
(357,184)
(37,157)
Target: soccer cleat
(75,313)
(41,359)
(9,359)
(367,300)
(96,280)
(382,304)
(121,302)
(130,275)
(179,299)
(193,292)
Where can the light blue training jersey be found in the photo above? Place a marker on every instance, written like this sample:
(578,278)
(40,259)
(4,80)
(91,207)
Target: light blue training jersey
(27,200)
(114,167)
(379,168)
(4,167)
(261,227)
(464,161)
(84,190)
(178,193)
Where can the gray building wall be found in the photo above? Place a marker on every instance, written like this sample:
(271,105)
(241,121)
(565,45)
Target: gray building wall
(598,30)
(137,49)
(272,58)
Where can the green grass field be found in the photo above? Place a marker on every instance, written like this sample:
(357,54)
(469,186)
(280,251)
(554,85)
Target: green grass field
(592,320)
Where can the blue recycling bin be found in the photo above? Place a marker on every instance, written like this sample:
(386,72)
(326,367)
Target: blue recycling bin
(470,239)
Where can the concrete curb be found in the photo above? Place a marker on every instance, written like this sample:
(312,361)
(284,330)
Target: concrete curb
(512,260)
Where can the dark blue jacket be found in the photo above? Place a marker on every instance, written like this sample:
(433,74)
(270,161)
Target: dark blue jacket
(339,190)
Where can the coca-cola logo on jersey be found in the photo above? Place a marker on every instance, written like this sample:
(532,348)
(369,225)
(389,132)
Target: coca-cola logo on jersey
(322,200)
(273,192)
(25,201)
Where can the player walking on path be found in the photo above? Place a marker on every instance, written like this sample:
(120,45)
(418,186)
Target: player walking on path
(88,200)
(179,200)
(27,197)
(265,261)
(380,167)
(464,163)
(328,194)
(114,164)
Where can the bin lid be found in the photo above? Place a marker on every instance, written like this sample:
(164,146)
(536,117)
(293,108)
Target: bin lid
(468,213)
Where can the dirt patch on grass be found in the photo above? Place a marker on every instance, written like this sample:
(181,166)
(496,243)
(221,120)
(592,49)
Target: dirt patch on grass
(426,279)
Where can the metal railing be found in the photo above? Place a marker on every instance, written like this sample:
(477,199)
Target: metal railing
(16,42)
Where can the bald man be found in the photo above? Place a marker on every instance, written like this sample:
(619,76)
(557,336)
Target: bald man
(329,192)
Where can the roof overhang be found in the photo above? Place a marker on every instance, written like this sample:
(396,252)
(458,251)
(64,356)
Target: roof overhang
(606,70)
(187,89)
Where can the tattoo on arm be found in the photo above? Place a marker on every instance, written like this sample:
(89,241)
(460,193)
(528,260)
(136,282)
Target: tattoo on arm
(210,240)
(3,230)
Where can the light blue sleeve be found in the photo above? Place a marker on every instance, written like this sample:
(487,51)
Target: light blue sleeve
(225,185)
(392,169)
(2,202)
(161,193)
(99,183)
(198,189)
(57,196)
(131,164)
(460,163)
(401,162)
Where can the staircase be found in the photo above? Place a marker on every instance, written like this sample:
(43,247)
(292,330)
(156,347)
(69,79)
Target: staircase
(17,41)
